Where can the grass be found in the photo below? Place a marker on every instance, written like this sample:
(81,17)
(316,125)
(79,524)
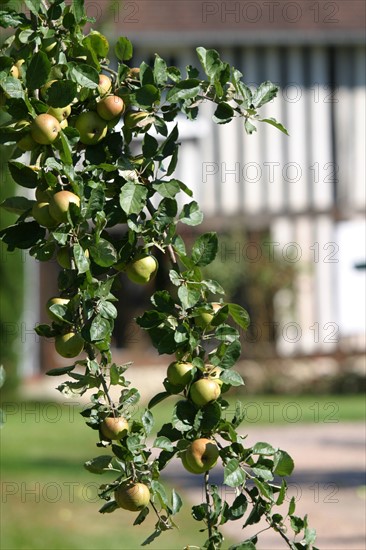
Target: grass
(50,502)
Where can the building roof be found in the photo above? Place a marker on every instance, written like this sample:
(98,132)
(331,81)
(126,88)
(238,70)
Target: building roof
(265,21)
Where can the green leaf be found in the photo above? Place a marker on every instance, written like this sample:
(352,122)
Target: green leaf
(249,127)
(205,249)
(210,61)
(78,10)
(282,493)
(142,516)
(163,443)
(186,89)
(147,95)
(246,545)
(149,146)
(123,49)
(223,114)
(239,315)
(17,205)
(176,502)
(22,235)
(276,124)
(85,75)
(12,87)
(264,93)
(107,309)
(99,329)
(38,71)
(33,5)
(262,448)
(109,507)
(158,398)
(283,463)
(238,507)
(188,296)
(297,524)
(99,464)
(133,197)
(159,490)
(264,488)
(60,371)
(81,261)
(61,93)
(231,355)
(167,189)
(147,420)
(97,43)
(11,18)
(103,253)
(234,475)
(232,377)
(160,71)
(23,175)
(65,150)
(292,506)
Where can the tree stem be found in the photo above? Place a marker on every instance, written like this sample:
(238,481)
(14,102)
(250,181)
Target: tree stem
(207,491)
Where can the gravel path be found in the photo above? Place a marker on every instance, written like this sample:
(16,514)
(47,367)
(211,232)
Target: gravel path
(328,482)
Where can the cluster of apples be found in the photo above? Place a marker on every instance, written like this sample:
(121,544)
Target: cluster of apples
(202,454)
(67,344)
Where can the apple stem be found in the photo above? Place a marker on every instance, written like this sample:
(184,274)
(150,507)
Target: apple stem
(111,71)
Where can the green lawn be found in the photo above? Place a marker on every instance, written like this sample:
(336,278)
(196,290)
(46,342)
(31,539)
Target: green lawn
(50,502)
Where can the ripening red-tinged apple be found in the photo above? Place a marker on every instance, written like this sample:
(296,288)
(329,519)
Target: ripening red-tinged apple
(110,107)
(114,428)
(201,455)
(60,204)
(132,496)
(69,345)
(142,269)
(91,127)
(179,373)
(204,391)
(45,129)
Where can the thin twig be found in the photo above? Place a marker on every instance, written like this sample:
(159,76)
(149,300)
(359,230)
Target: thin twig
(207,491)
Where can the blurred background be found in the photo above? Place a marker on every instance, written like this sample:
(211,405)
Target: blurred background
(290,214)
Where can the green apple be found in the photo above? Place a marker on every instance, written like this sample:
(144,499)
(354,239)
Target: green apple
(142,269)
(70,344)
(60,204)
(179,373)
(52,301)
(203,320)
(91,127)
(110,107)
(60,113)
(202,455)
(114,428)
(27,143)
(183,457)
(45,129)
(204,391)
(105,85)
(64,123)
(41,213)
(132,496)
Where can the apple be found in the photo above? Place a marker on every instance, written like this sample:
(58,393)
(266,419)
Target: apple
(204,391)
(45,129)
(64,123)
(132,496)
(52,301)
(60,113)
(134,73)
(133,118)
(41,213)
(214,373)
(114,428)
(91,127)
(203,320)
(60,204)
(183,457)
(105,85)
(70,344)
(63,257)
(27,143)
(201,455)
(179,373)
(110,107)
(142,269)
